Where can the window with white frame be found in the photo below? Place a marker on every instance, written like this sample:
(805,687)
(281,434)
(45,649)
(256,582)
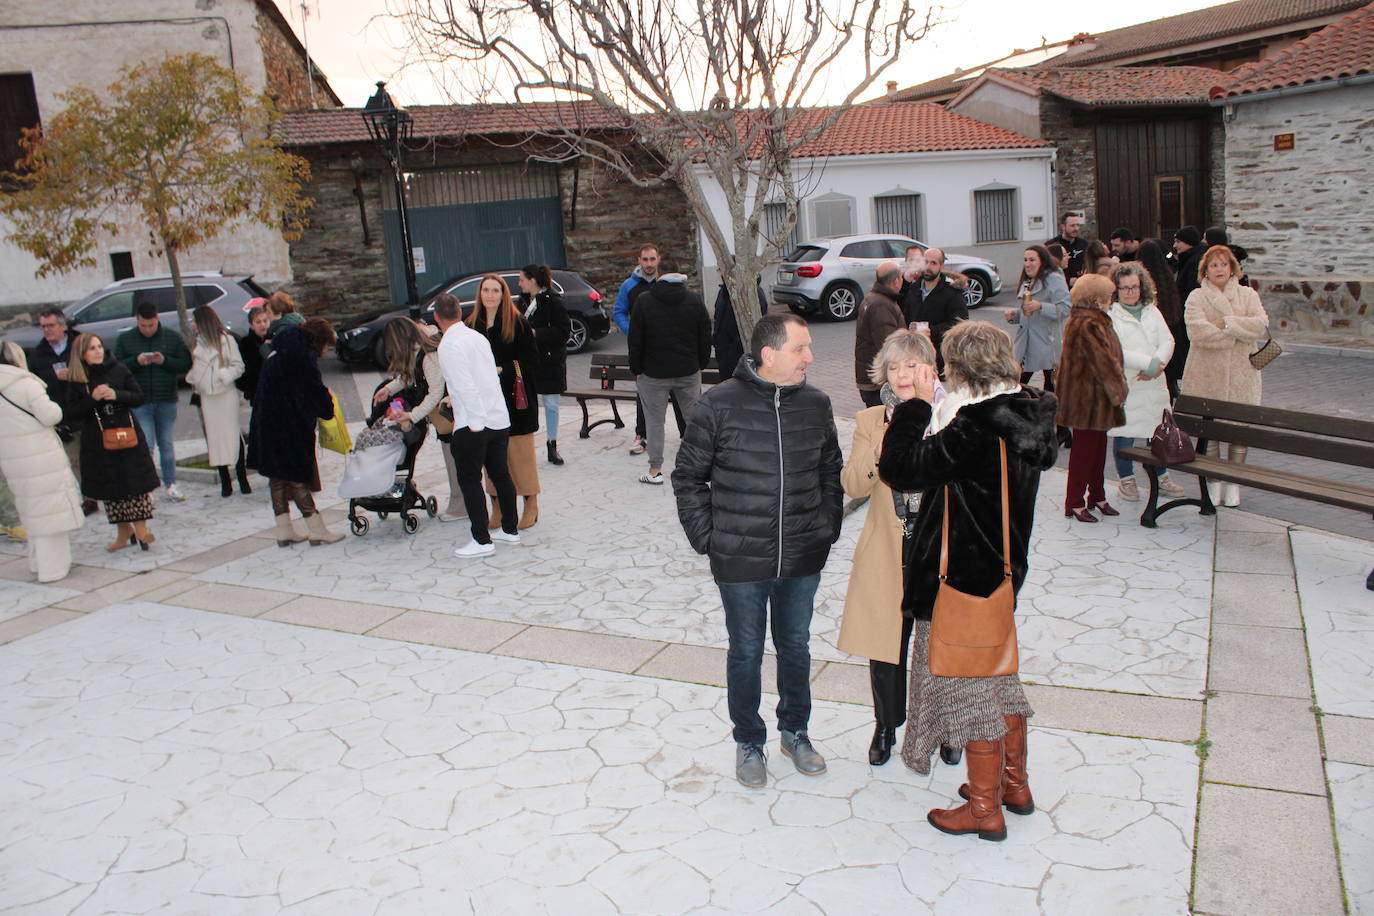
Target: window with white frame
(897,214)
(773,216)
(994,214)
(833,215)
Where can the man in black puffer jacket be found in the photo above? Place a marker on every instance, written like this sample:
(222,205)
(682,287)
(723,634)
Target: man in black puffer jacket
(758,490)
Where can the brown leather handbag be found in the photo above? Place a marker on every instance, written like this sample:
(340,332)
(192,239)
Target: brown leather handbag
(116,438)
(972,636)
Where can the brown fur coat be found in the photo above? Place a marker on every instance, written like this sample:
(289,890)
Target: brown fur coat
(1090,383)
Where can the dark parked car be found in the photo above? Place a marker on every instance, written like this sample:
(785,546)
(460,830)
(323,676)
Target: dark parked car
(110,310)
(360,337)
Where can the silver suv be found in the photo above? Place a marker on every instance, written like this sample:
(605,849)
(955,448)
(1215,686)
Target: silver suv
(111,309)
(832,275)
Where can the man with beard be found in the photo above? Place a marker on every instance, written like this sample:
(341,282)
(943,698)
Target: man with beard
(934,301)
(1071,237)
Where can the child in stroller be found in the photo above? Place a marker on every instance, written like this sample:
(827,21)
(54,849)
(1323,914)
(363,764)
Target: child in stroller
(386,441)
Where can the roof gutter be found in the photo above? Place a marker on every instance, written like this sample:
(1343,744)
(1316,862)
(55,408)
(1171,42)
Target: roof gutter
(1359,79)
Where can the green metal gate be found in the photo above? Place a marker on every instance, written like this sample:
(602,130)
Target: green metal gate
(468,220)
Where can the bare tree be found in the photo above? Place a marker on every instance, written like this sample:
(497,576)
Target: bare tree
(713,92)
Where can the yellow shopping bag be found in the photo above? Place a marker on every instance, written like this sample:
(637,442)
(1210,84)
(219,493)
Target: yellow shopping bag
(334,432)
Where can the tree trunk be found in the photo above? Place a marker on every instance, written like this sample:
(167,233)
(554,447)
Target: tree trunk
(188,330)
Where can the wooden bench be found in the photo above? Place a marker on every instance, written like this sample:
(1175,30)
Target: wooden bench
(606,370)
(1335,439)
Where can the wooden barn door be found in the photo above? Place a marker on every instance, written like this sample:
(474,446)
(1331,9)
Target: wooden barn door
(1152,175)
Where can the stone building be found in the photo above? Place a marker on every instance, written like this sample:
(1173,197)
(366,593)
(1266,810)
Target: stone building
(48,48)
(478,199)
(1300,177)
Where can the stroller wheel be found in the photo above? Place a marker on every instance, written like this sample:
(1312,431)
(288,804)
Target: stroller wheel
(359,526)
(432,507)
(411,523)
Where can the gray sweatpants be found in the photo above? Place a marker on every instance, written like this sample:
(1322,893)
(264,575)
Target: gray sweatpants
(653,394)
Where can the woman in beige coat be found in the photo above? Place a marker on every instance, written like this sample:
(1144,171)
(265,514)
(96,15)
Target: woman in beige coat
(32,460)
(1225,323)
(873,625)
(216,364)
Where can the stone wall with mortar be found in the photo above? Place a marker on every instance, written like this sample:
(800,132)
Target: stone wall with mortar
(340,270)
(1075,169)
(288,75)
(1306,215)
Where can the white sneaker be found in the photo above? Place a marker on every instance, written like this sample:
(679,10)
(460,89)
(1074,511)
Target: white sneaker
(175,494)
(501,535)
(1170,489)
(639,447)
(474,549)
(652,478)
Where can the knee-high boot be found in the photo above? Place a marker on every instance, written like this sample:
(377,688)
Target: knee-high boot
(885,681)
(530,514)
(226,487)
(982,813)
(241,469)
(1016,793)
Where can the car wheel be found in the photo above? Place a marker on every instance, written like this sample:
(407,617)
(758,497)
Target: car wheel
(379,352)
(977,290)
(577,338)
(841,301)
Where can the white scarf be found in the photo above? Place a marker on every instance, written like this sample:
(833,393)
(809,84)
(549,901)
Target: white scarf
(958,398)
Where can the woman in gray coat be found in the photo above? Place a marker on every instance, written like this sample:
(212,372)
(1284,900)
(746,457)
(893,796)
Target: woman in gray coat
(1040,319)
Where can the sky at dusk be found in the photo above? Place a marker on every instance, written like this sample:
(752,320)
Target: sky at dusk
(355,45)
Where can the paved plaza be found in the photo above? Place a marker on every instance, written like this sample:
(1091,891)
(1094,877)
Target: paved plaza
(221,726)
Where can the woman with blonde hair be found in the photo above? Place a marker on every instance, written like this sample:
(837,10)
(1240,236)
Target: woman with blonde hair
(1225,324)
(873,625)
(216,365)
(35,466)
(517,359)
(281,308)
(952,452)
(102,396)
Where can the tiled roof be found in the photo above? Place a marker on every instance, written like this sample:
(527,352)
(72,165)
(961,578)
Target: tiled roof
(1202,25)
(345,125)
(1109,86)
(897,127)
(946,85)
(1344,48)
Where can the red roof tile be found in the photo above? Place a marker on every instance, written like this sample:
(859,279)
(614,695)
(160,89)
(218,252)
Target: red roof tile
(1208,24)
(1109,86)
(1344,48)
(896,127)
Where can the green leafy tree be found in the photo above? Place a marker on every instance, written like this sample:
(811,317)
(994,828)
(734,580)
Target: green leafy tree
(179,146)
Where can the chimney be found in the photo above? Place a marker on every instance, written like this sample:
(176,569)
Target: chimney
(891,88)
(1081,43)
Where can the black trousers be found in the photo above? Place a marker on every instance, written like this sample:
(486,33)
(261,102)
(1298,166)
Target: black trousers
(889,684)
(471,453)
(871,398)
(1049,378)
(640,430)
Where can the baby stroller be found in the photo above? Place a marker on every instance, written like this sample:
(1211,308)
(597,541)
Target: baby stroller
(380,471)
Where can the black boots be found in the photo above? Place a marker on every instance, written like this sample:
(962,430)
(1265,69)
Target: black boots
(226,489)
(554,457)
(880,749)
(242,470)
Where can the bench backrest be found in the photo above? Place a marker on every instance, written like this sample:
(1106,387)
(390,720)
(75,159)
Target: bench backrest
(1292,432)
(617,369)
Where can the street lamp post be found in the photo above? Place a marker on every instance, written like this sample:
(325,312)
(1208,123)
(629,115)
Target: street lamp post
(389,126)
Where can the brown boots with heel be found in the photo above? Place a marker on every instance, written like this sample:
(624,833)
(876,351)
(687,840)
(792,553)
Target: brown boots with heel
(989,789)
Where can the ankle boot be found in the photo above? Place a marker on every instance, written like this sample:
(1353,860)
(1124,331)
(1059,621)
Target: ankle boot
(530,515)
(1016,793)
(242,470)
(982,813)
(286,532)
(951,755)
(319,534)
(226,488)
(143,535)
(124,536)
(554,457)
(494,516)
(880,748)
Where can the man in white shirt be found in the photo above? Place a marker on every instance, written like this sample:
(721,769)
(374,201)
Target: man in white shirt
(481,426)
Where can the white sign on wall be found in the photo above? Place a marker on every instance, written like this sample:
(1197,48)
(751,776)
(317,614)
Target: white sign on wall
(418,256)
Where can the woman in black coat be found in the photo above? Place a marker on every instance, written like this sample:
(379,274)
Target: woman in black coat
(517,357)
(548,319)
(103,393)
(950,451)
(250,348)
(290,400)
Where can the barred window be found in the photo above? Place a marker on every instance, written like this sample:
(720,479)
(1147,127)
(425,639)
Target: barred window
(994,215)
(773,215)
(898,214)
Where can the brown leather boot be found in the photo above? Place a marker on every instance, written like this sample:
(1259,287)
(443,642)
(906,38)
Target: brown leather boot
(1016,793)
(982,813)
(531,513)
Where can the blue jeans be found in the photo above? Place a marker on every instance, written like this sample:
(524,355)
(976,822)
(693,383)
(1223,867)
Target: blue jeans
(747,611)
(159,425)
(1124,468)
(550,403)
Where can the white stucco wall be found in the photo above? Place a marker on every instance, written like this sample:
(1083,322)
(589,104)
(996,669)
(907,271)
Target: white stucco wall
(1004,106)
(946,182)
(54,42)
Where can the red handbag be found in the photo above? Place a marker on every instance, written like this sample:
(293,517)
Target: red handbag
(522,400)
(1170,444)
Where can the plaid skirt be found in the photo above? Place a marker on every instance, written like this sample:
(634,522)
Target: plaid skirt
(954,710)
(130,509)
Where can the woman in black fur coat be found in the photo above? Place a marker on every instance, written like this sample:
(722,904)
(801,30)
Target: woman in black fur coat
(954,444)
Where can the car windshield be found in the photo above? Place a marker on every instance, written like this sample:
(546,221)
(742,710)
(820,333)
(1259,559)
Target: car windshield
(803,253)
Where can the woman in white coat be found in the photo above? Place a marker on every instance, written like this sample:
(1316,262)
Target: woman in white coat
(215,364)
(1146,348)
(32,460)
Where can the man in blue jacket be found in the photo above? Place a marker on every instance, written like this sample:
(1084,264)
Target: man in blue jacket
(635,285)
(768,533)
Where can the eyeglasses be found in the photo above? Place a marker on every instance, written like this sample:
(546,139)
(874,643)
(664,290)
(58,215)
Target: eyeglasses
(1128,289)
